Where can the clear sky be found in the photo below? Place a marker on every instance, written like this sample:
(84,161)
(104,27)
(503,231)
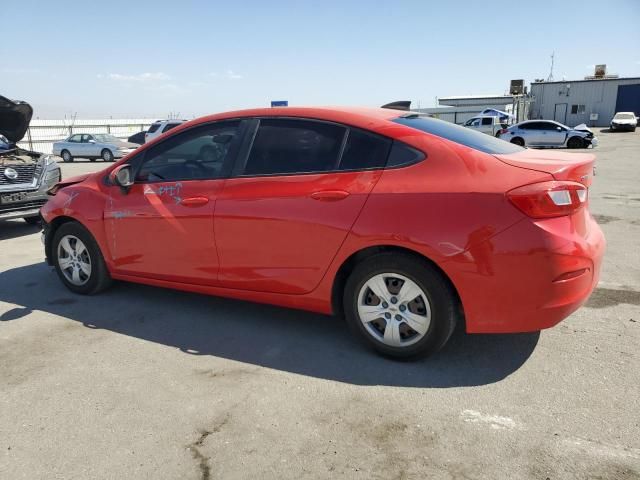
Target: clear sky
(143,58)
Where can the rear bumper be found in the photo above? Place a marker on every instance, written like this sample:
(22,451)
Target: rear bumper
(529,277)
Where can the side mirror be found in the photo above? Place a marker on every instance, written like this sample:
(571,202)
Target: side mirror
(122,177)
(559,129)
(92,141)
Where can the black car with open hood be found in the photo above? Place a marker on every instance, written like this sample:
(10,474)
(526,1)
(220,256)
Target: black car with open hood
(25,176)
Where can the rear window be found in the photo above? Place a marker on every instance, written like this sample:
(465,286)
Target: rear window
(153,127)
(455,133)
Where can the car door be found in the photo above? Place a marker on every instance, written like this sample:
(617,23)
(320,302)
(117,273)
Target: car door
(532,133)
(74,145)
(553,134)
(291,202)
(486,125)
(163,226)
(89,146)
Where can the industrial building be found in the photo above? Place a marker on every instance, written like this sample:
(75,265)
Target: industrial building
(593,101)
(459,109)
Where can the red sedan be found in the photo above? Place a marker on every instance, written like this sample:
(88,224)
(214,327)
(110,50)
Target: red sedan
(405,224)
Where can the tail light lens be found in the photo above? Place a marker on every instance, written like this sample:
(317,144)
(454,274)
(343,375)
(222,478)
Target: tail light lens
(549,199)
(504,130)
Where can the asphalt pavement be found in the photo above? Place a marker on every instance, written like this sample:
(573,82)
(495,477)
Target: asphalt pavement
(146,383)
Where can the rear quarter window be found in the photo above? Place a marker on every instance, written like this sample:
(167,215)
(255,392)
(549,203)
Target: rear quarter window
(364,150)
(458,134)
(153,127)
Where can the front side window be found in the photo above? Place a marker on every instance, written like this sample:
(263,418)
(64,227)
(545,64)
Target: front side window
(169,126)
(199,153)
(287,146)
(86,138)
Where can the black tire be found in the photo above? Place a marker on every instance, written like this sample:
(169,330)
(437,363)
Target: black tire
(99,278)
(633,129)
(107,155)
(32,220)
(441,298)
(575,142)
(518,141)
(66,156)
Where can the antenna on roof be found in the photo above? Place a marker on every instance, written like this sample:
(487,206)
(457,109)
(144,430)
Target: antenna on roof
(550,77)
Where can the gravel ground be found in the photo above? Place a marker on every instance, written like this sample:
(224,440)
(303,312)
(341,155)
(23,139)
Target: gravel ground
(146,383)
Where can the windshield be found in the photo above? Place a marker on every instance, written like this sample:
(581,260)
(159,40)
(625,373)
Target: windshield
(624,116)
(104,138)
(455,133)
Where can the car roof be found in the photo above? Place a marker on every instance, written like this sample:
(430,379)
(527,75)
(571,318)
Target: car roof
(363,117)
(626,113)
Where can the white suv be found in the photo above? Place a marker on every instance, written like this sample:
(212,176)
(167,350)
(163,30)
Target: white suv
(160,127)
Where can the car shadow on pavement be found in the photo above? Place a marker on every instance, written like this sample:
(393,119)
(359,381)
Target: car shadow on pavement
(294,341)
(16,228)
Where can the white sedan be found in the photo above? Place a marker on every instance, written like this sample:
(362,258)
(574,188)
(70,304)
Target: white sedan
(548,133)
(93,146)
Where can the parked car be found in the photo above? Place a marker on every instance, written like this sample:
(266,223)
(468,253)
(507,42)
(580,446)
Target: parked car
(161,126)
(406,224)
(548,133)
(25,176)
(624,121)
(93,146)
(489,124)
(137,138)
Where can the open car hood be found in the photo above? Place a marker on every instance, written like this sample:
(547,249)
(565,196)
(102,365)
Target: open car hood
(582,127)
(14,119)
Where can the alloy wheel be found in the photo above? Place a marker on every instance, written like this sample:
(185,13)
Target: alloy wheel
(394,309)
(74,260)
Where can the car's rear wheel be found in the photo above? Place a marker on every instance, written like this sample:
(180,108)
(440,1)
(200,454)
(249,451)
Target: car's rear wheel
(518,141)
(400,305)
(78,260)
(107,155)
(66,156)
(575,142)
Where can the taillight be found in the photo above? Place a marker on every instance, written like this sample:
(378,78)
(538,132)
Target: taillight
(504,130)
(549,199)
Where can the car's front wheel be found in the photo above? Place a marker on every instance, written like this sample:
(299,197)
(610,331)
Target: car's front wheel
(400,305)
(575,142)
(66,156)
(107,155)
(78,260)
(518,141)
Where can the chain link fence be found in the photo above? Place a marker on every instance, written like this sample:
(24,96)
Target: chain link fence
(42,134)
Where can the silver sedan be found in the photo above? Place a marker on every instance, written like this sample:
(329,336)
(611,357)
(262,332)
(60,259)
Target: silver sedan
(548,133)
(93,146)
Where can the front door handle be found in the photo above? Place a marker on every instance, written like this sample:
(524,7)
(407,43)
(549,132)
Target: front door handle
(194,201)
(330,195)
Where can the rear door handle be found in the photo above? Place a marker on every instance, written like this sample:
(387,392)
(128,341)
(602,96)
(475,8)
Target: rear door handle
(330,195)
(194,201)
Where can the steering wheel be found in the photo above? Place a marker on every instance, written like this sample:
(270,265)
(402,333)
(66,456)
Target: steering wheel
(202,171)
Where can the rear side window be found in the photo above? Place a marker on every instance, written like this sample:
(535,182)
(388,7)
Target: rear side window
(153,127)
(285,146)
(169,126)
(458,134)
(364,151)
(487,121)
(402,154)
